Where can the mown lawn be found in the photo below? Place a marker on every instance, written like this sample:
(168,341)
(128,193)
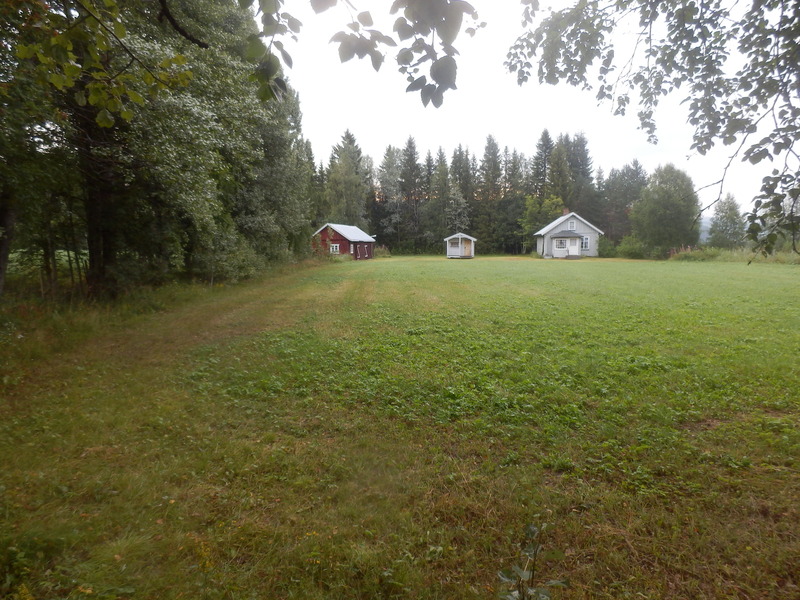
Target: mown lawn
(388,428)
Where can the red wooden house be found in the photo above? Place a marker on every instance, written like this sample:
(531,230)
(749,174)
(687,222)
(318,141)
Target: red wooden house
(344,239)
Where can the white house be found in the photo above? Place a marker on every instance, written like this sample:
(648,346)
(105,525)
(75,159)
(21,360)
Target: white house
(460,245)
(569,236)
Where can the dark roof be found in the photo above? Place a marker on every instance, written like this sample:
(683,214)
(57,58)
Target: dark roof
(565,233)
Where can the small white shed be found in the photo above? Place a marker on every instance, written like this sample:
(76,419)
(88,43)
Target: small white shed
(460,245)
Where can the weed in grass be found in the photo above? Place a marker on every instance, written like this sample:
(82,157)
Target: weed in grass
(521,579)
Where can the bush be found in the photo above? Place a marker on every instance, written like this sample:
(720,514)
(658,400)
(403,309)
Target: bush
(697,254)
(606,248)
(631,247)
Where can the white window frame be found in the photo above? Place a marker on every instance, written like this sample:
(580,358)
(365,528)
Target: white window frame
(454,243)
(571,225)
(561,244)
(585,242)
(334,248)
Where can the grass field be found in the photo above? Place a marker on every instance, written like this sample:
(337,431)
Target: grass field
(387,429)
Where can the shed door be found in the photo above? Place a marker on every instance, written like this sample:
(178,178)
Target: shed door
(467,248)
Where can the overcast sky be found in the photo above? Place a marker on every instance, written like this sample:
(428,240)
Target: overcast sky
(377,110)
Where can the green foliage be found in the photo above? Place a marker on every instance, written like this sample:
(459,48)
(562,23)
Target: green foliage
(665,216)
(698,254)
(728,225)
(540,212)
(199,178)
(621,190)
(631,247)
(606,248)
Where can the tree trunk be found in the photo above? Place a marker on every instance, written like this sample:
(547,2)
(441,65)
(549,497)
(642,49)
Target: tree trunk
(98,172)
(8,219)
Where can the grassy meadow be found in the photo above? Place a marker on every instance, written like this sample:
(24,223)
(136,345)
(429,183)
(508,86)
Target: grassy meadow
(387,429)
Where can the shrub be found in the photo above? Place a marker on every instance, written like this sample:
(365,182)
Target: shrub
(606,248)
(631,247)
(697,254)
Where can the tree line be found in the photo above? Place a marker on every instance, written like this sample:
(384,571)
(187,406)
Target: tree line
(410,203)
(137,144)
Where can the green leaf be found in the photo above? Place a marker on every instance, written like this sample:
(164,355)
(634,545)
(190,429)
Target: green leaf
(417,84)
(294,24)
(521,573)
(268,68)
(347,49)
(57,80)
(268,6)
(437,98)
(405,57)
(403,29)
(377,59)
(265,93)
(449,28)
(119,30)
(26,51)
(255,49)
(286,57)
(322,5)
(443,72)
(104,118)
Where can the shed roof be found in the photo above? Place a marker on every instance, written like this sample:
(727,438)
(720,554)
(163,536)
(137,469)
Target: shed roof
(349,232)
(563,219)
(461,235)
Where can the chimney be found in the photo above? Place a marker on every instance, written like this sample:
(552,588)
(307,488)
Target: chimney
(565,211)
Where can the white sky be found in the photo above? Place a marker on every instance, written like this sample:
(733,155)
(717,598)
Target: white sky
(377,110)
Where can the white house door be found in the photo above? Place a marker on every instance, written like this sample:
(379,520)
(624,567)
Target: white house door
(574,247)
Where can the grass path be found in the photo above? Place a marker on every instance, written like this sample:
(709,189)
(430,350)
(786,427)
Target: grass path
(387,429)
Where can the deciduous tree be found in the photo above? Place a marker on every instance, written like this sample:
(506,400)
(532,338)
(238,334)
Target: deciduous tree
(665,217)
(728,225)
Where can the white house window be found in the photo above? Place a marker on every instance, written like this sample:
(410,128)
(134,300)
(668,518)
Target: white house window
(454,243)
(585,242)
(334,248)
(351,248)
(561,244)
(571,225)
